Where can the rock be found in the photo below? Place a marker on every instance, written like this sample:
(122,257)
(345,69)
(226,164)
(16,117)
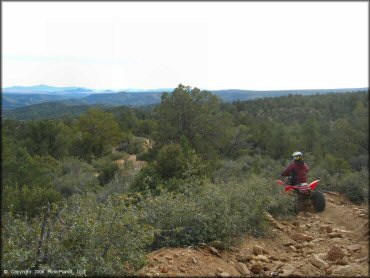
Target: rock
(292,248)
(349,270)
(163,269)
(175,255)
(214,251)
(243,269)
(256,268)
(193,260)
(342,261)
(257,250)
(335,234)
(319,263)
(343,231)
(299,246)
(168,258)
(244,259)
(301,237)
(309,245)
(182,269)
(265,273)
(224,274)
(287,270)
(328,271)
(262,258)
(273,258)
(362,260)
(354,247)
(295,223)
(325,228)
(335,253)
(234,249)
(219,270)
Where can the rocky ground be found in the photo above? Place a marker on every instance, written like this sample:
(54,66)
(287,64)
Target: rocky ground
(331,243)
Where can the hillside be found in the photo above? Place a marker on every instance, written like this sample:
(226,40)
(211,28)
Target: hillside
(46,110)
(12,101)
(187,186)
(124,98)
(331,243)
(15,97)
(23,107)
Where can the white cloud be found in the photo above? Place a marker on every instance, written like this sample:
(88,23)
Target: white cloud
(213,45)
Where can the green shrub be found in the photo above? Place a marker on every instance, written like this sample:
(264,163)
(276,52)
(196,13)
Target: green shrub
(147,179)
(281,203)
(133,145)
(118,155)
(121,182)
(30,200)
(355,185)
(103,239)
(75,176)
(210,212)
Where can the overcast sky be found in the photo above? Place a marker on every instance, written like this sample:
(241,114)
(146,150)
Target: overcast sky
(209,45)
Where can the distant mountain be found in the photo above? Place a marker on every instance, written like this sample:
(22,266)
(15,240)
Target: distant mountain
(45,89)
(141,98)
(12,100)
(124,98)
(46,110)
(133,90)
(231,95)
(77,106)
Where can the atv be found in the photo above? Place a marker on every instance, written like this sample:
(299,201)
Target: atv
(305,192)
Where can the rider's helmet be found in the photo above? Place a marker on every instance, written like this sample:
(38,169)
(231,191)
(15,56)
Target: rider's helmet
(297,156)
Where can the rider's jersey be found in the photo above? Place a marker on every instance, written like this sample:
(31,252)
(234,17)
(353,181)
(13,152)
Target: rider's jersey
(297,169)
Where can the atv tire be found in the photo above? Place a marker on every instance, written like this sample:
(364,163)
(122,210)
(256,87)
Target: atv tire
(318,201)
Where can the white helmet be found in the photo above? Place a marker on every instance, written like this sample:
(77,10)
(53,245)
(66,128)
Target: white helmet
(297,156)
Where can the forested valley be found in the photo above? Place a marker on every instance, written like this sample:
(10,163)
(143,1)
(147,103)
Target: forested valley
(100,190)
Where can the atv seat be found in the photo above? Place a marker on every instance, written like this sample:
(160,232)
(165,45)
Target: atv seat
(302,184)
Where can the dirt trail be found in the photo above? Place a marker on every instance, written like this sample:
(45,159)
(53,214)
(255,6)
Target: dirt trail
(331,243)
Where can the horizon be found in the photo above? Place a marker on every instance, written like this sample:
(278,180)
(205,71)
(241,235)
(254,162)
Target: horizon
(162,88)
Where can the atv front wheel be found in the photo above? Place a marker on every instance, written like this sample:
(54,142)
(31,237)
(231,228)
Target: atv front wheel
(318,201)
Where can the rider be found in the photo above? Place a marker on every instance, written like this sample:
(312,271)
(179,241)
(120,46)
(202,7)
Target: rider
(296,170)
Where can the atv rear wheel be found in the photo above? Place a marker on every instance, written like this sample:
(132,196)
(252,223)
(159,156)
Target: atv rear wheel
(318,201)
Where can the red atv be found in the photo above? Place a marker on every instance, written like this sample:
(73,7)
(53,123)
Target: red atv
(306,192)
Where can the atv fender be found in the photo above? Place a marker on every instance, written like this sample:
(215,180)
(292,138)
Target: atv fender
(313,184)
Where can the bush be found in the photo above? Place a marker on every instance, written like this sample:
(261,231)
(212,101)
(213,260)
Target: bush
(281,203)
(355,185)
(133,145)
(103,239)
(118,155)
(106,169)
(121,183)
(76,176)
(359,162)
(30,200)
(245,166)
(210,212)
